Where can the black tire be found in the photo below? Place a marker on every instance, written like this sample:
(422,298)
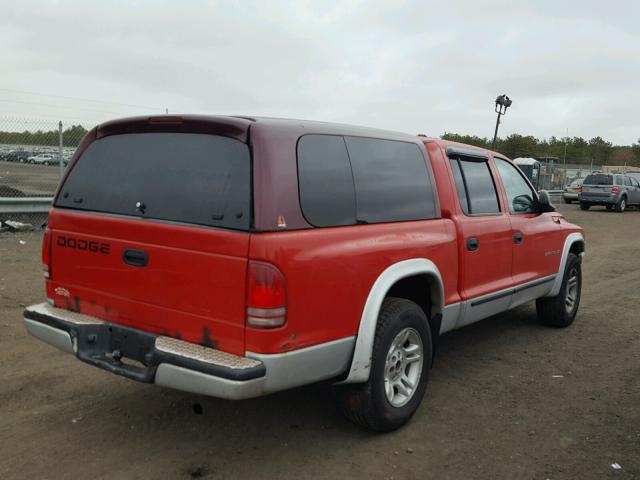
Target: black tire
(366,404)
(567,201)
(554,311)
(584,205)
(608,206)
(621,206)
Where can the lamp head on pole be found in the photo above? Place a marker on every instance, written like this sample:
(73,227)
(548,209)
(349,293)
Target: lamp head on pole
(502,103)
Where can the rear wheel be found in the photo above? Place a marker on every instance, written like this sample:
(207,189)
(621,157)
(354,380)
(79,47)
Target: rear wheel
(561,310)
(608,206)
(584,205)
(401,360)
(566,200)
(621,206)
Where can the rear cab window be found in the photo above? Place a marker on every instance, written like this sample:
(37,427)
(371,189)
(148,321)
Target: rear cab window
(183,177)
(346,180)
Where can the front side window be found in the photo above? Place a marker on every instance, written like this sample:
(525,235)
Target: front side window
(519,194)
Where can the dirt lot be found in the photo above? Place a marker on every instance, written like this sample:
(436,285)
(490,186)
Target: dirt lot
(32,180)
(508,398)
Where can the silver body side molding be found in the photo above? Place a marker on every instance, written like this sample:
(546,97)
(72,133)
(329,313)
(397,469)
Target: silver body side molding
(307,365)
(284,371)
(454,315)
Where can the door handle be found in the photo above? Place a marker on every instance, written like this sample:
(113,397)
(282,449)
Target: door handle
(517,238)
(135,258)
(472,244)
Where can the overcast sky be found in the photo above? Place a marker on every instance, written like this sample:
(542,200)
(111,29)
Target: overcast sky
(418,67)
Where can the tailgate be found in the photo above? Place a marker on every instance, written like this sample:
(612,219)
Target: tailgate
(192,286)
(151,230)
(600,192)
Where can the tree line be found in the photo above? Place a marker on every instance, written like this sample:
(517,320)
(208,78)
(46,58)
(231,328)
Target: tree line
(596,150)
(71,137)
(578,150)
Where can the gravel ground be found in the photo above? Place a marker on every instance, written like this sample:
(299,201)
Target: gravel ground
(508,398)
(32,180)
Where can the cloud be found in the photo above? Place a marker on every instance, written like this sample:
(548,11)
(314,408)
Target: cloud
(407,65)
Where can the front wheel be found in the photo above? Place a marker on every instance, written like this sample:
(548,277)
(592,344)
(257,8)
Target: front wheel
(584,206)
(561,310)
(400,364)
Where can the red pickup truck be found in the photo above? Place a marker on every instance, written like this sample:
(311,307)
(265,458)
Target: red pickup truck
(237,256)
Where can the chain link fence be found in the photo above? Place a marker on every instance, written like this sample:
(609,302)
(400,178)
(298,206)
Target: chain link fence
(35,152)
(556,176)
(33,156)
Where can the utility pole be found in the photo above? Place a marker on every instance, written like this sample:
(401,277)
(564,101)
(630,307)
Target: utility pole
(566,139)
(60,148)
(502,103)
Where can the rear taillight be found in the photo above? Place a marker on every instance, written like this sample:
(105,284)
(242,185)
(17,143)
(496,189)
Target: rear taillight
(266,296)
(615,189)
(578,189)
(46,254)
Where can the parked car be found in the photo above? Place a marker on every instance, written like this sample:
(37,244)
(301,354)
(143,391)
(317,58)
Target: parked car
(288,252)
(613,190)
(16,156)
(570,192)
(44,159)
(635,175)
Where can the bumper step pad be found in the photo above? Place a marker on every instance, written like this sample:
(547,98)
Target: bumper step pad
(113,347)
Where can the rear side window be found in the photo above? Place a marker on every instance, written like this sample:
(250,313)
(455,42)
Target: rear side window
(192,178)
(598,179)
(462,190)
(627,181)
(327,196)
(391,180)
(476,189)
(348,180)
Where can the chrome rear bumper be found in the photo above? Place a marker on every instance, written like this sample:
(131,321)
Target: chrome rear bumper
(174,363)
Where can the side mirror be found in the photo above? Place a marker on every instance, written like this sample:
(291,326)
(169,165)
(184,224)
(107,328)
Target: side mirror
(524,204)
(544,202)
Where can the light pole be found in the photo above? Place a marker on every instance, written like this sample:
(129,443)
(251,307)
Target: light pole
(502,103)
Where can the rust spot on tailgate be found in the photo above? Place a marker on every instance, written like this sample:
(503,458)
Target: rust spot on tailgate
(207,341)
